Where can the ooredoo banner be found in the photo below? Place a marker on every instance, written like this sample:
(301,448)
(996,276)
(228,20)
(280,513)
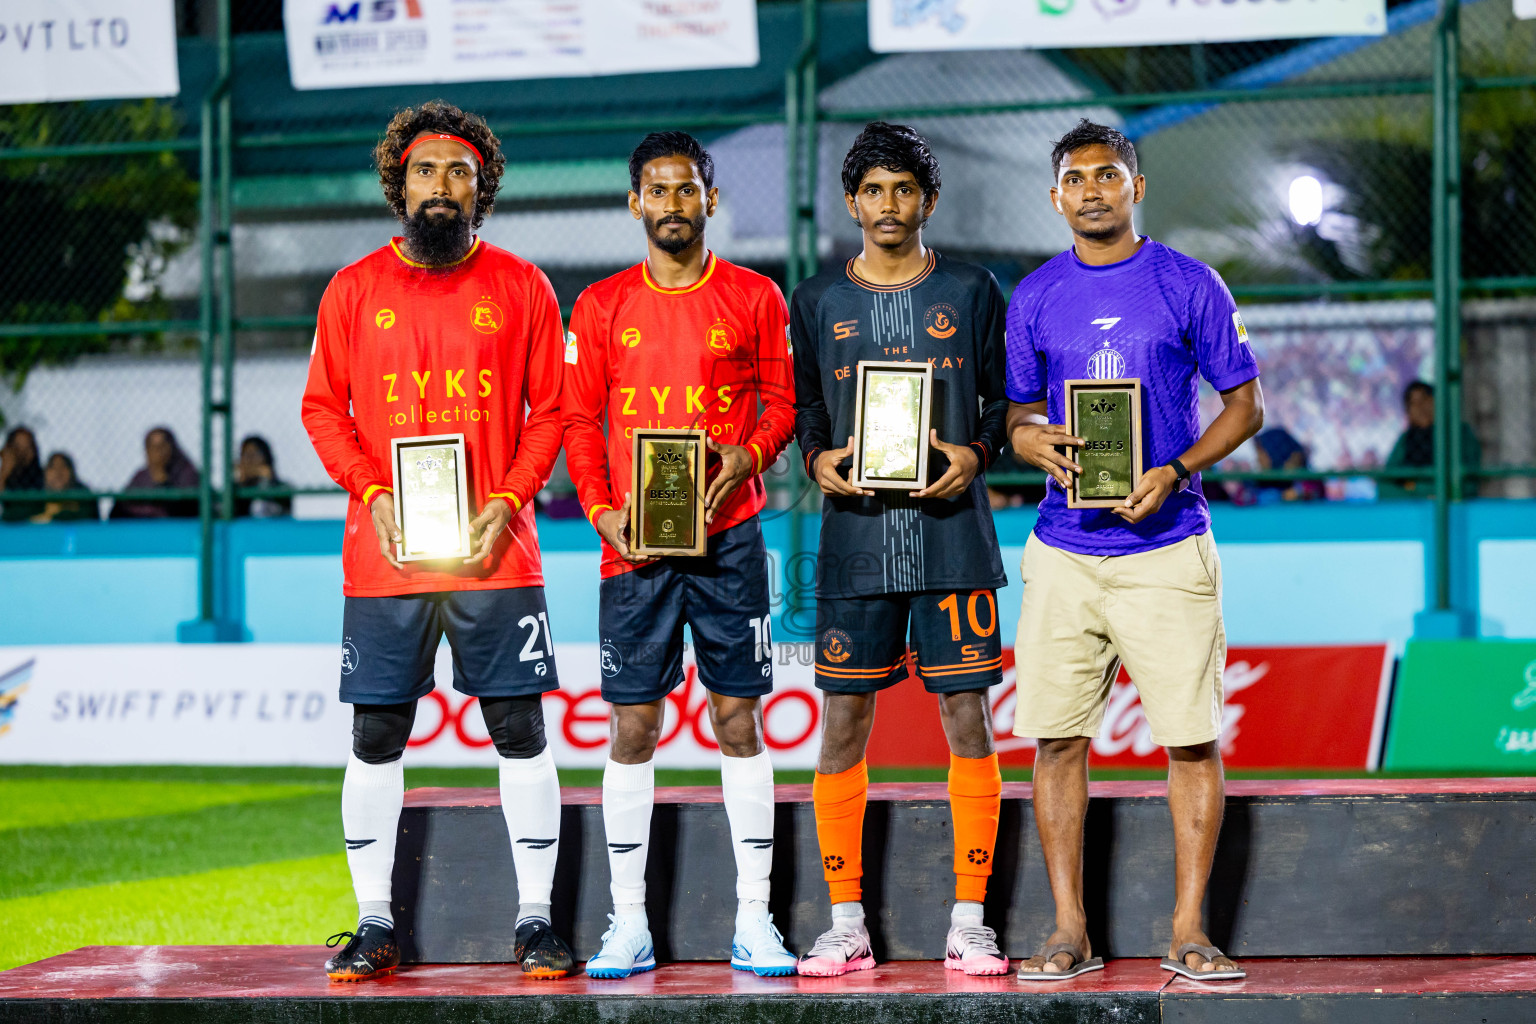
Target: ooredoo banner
(276,704)
(87,50)
(1286,707)
(338,43)
(902,25)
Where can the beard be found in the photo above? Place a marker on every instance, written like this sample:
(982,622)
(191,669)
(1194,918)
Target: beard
(438,239)
(674,244)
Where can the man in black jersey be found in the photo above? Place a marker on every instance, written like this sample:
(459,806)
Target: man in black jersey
(928,559)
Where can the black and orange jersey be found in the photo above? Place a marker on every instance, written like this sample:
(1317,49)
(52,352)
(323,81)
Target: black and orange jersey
(951,315)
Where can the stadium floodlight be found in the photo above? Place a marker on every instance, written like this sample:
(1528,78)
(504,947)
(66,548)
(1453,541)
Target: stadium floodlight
(1306,199)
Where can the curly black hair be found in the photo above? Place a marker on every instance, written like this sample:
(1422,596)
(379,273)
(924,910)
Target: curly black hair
(1091,133)
(659,144)
(896,147)
(437,116)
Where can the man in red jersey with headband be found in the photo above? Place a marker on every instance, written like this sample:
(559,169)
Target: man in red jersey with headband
(683,339)
(440,333)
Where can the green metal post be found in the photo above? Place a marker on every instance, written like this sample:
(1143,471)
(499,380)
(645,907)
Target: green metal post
(225,406)
(1442,619)
(213,318)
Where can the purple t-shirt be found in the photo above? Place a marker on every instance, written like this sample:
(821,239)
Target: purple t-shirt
(1158,316)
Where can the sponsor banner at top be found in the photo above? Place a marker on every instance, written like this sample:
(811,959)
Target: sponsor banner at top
(87,50)
(339,43)
(901,25)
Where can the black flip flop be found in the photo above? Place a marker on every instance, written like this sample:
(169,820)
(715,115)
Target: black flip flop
(1177,965)
(1079,965)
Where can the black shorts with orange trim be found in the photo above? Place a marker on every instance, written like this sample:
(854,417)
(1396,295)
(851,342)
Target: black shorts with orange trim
(861,642)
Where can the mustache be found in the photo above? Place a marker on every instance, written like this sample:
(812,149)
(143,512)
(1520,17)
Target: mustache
(448,204)
(1094,208)
(888,222)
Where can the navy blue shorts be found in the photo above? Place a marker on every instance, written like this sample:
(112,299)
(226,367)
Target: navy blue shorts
(861,642)
(723,598)
(500,640)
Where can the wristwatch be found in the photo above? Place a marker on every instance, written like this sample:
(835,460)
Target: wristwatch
(1181,473)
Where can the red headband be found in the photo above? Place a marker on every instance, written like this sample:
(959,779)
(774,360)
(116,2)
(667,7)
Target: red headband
(443,136)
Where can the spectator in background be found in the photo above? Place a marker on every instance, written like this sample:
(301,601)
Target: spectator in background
(166,467)
(60,476)
(256,469)
(1415,447)
(1278,449)
(20,471)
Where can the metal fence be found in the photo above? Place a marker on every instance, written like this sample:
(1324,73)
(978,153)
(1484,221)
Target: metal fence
(169,255)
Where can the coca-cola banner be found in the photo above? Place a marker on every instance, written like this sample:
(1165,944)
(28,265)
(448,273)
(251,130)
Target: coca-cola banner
(1285,707)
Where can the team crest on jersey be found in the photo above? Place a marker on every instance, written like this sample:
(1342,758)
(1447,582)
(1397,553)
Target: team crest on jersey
(836,646)
(630,338)
(384,318)
(845,329)
(1242,332)
(722,337)
(1106,364)
(940,320)
(485,317)
(570,347)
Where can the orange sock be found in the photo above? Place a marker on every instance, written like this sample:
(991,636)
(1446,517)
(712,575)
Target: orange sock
(975,797)
(840,801)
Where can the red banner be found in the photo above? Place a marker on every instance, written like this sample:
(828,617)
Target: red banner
(1286,707)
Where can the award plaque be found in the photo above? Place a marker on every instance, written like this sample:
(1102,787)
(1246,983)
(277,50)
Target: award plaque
(431,497)
(666,510)
(1106,414)
(890,429)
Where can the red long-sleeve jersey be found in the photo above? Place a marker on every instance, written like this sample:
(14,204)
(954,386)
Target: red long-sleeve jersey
(639,355)
(404,350)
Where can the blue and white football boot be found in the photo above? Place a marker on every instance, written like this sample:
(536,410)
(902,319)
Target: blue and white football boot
(758,946)
(626,949)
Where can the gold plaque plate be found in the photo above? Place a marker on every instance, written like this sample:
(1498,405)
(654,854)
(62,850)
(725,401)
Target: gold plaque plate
(431,497)
(891,416)
(666,510)
(1107,415)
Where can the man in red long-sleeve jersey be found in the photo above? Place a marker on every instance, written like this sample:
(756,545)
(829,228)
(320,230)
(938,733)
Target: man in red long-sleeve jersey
(683,339)
(438,332)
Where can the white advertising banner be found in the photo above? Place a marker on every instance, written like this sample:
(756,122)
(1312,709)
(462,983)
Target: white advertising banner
(338,43)
(903,25)
(87,50)
(276,704)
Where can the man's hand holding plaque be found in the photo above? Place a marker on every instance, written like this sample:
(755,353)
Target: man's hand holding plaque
(384,524)
(486,527)
(964,464)
(1041,444)
(613,527)
(735,468)
(829,479)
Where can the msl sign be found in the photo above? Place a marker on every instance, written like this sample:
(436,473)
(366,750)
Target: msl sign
(1465,705)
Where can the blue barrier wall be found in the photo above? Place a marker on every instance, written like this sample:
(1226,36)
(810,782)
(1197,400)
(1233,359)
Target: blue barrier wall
(1316,573)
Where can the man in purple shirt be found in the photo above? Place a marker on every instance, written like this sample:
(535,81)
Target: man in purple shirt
(1139,582)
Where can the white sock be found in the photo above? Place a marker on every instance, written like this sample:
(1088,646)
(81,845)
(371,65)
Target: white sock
(629,791)
(968,911)
(530,801)
(371,798)
(848,916)
(747,783)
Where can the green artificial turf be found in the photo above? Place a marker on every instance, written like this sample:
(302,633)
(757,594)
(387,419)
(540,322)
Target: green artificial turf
(199,855)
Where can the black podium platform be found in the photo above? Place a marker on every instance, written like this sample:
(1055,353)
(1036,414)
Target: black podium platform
(1354,867)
